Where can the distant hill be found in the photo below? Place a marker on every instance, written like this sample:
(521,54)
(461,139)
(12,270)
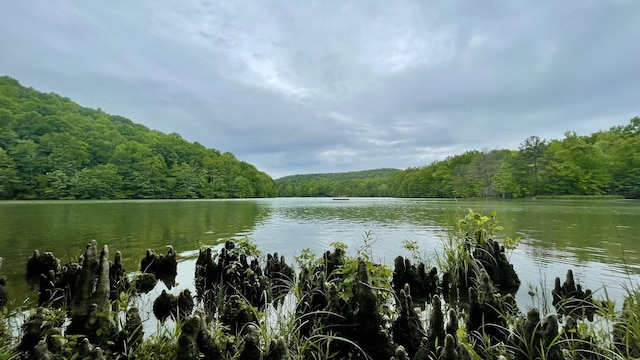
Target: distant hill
(53,148)
(356,183)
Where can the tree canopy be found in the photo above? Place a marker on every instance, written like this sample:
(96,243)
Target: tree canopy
(357,183)
(53,148)
(606,162)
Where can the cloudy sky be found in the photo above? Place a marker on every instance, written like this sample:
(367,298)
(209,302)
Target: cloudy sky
(329,86)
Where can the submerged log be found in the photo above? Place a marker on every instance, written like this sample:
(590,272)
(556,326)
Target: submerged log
(236,275)
(280,276)
(33,331)
(144,283)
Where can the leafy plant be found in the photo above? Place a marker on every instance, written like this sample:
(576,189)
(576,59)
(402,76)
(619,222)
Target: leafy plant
(306,258)
(158,347)
(456,260)
(379,276)
(368,240)
(246,246)
(414,249)
(467,236)
(339,245)
(477,226)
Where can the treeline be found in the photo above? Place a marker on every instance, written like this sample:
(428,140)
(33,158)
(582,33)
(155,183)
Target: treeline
(52,148)
(358,183)
(603,163)
(606,162)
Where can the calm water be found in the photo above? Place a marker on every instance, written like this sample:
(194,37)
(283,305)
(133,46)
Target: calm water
(598,240)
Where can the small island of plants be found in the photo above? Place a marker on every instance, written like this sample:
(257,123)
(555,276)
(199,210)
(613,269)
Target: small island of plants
(330,306)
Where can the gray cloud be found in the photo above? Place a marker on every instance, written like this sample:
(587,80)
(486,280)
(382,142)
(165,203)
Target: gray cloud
(333,86)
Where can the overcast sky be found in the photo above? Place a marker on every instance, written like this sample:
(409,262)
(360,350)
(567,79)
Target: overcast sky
(299,87)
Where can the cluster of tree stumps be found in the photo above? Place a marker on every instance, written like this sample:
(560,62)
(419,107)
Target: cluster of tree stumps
(340,307)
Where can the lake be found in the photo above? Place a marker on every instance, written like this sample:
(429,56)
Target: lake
(597,239)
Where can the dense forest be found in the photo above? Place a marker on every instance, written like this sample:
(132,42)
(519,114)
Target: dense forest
(356,183)
(53,148)
(603,163)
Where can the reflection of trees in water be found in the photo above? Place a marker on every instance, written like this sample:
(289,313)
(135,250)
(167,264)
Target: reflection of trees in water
(582,232)
(368,212)
(131,227)
(593,231)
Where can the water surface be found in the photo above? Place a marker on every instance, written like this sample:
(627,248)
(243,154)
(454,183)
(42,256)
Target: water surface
(597,239)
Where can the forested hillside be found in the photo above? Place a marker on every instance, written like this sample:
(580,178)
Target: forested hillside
(53,148)
(603,163)
(356,183)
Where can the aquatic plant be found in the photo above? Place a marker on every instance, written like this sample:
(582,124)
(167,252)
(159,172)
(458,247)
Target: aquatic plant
(470,247)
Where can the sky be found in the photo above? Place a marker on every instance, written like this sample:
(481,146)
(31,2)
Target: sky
(298,87)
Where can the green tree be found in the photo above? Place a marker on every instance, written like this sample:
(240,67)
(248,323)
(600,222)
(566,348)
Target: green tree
(633,128)
(9,179)
(188,182)
(64,152)
(8,138)
(356,183)
(54,185)
(532,151)
(6,116)
(99,182)
(576,167)
(467,182)
(240,187)
(29,165)
(58,147)
(102,138)
(143,174)
(625,170)
(485,167)
(30,125)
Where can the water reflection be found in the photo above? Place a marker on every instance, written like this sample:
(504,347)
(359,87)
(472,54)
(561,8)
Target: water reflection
(131,227)
(596,239)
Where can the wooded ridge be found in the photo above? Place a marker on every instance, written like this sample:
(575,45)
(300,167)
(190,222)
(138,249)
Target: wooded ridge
(355,183)
(606,162)
(53,148)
